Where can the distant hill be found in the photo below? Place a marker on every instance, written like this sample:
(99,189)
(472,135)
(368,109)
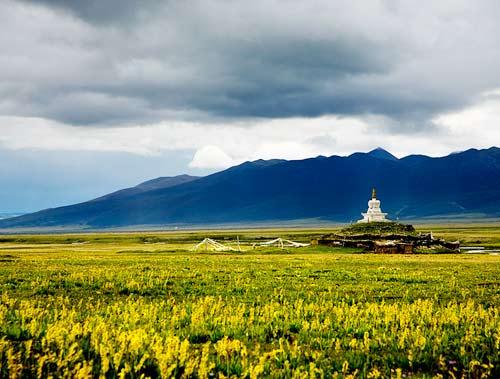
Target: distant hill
(334,188)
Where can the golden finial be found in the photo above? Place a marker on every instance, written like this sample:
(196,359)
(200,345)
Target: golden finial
(374,193)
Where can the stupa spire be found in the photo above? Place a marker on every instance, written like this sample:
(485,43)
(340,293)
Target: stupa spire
(374,193)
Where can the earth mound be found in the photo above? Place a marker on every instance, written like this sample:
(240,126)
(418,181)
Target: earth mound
(388,238)
(378,228)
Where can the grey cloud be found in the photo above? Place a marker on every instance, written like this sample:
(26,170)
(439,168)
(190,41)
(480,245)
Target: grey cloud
(88,108)
(129,62)
(102,12)
(326,141)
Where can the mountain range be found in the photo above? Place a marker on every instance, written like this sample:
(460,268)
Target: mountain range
(323,188)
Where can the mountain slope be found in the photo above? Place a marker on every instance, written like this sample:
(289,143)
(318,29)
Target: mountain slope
(334,188)
(153,184)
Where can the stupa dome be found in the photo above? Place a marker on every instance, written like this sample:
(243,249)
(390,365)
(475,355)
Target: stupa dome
(374,213)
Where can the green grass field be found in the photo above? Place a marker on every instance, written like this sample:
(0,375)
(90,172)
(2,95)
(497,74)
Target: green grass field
(144,304)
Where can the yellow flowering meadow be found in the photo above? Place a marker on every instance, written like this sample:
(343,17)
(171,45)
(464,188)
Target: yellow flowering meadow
(100,310)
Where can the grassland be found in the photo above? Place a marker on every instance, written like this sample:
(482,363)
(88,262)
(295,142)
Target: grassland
(144,304)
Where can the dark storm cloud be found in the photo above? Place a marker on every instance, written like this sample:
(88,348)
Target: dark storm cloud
(128,62)
(102,12)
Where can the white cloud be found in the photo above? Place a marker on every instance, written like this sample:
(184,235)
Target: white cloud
(211,157)
(477,126)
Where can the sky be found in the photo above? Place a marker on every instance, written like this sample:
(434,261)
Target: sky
(96,96)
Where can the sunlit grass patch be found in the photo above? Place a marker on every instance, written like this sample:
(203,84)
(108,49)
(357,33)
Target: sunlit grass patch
(118,304)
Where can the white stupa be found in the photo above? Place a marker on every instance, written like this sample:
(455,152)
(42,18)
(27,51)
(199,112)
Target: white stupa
(374,213)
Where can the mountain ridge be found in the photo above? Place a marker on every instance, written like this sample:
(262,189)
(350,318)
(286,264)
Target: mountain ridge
(330,188)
